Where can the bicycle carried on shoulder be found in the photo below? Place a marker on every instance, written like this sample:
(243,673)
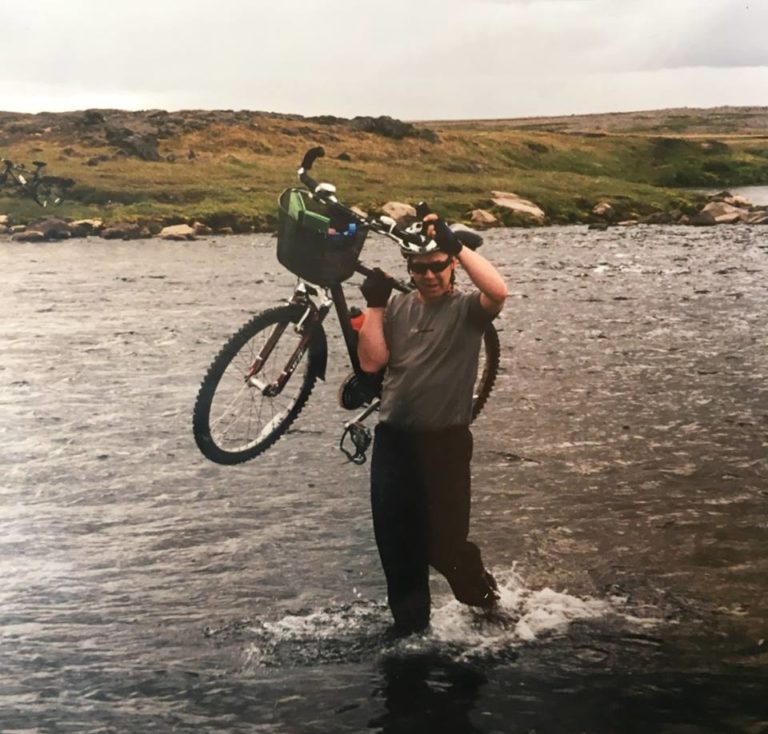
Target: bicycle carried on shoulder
(263,376)
(45,190)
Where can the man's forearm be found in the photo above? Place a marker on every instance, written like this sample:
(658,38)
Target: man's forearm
(372,350)
(484,275)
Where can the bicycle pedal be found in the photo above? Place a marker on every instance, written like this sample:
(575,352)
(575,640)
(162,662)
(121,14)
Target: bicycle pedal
(361,440)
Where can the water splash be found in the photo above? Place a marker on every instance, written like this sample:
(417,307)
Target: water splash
(523,615)
(360,630)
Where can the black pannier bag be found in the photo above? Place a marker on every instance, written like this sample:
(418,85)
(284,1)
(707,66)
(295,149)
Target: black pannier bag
(313,242)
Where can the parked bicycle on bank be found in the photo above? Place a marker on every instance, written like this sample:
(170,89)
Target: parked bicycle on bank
(45,190)
(263,376)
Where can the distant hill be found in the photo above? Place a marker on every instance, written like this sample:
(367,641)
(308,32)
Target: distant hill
(226,167)
(678,121)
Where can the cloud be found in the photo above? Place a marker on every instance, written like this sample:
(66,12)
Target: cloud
(732,36)
(433,58)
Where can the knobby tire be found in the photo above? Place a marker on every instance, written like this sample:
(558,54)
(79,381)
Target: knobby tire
(225,409)
(488,370)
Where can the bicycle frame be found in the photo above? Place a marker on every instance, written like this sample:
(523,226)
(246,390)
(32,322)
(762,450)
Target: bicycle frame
(315,315)
(43,189)
(311,320)
(288,334)
(16,173)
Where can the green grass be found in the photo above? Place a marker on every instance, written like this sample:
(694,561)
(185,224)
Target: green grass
(238,172)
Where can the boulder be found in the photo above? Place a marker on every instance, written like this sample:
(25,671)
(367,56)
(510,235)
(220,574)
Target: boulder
(28,236)
(759,216)
(604,210)
(85,227)
(133,143)
(733,199)
(627,223)
(739,201)
(403,214)
(201,230)
(482,218)
(51,229)
(178,232)
(723,213)
(124,231)
(658,218)
(508,200)
(96,160)
(703,219)
(389,127)
(5,220)
(92,117)
(599,226)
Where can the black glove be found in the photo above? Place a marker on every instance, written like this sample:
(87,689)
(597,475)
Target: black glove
(376,289)
(446,240)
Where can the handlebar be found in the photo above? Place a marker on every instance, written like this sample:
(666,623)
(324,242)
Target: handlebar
(396,284)
(306,164)
(328,196)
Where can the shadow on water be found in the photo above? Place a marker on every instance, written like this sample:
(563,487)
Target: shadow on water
(434,693)
(427,692)
(590,667)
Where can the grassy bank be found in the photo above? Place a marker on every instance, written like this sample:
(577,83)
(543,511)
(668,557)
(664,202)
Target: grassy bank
(228,172)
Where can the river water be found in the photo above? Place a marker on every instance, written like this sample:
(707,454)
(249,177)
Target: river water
(620,496)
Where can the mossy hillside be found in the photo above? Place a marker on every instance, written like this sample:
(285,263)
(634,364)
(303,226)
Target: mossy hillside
(230,175)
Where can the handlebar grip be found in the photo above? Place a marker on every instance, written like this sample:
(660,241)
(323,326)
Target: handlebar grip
(468,237)
(422,209)
(396,284)
(308,181)
(311,156)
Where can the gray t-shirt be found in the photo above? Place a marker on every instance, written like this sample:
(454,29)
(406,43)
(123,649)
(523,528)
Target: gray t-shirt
(433,355)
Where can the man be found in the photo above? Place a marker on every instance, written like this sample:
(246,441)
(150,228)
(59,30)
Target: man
(429,340)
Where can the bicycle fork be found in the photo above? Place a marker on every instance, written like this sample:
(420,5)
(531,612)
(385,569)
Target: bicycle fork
(354,432)
(305,326)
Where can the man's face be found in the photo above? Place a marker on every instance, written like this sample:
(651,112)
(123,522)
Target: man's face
(431,285)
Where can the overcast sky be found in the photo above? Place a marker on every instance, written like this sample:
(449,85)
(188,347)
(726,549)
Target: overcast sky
(413,59)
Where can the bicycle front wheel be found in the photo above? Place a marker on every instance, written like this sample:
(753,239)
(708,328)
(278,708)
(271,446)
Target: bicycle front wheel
(240,413)
(51,190)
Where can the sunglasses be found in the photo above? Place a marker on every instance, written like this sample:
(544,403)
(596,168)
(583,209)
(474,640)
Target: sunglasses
(435,267)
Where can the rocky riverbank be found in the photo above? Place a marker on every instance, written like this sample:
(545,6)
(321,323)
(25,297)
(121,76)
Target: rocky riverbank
(721,208)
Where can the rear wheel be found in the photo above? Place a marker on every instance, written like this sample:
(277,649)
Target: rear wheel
(487,371)
(237,416)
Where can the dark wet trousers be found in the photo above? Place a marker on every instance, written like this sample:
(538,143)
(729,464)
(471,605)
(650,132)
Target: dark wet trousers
(420,496)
